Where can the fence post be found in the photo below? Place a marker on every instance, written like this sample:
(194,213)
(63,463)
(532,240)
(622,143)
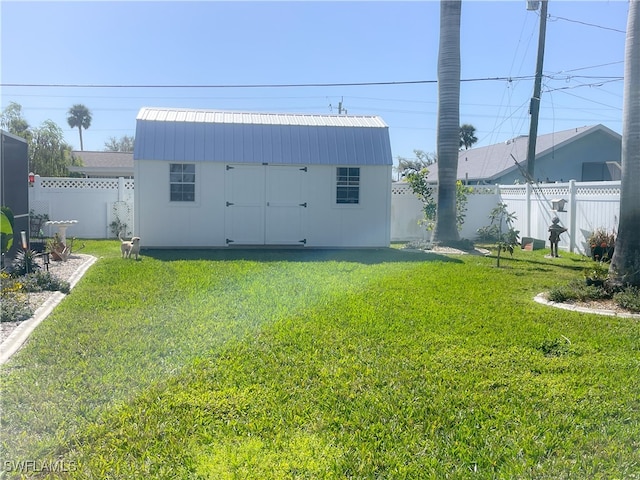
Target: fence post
(572,215)
(527,198)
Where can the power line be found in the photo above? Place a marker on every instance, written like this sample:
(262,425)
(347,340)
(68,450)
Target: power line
(552,18)
(265,85)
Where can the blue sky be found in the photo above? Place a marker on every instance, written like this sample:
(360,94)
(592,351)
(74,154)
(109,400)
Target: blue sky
(264,43)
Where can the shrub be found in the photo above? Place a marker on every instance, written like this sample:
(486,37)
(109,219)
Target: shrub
(39,281)
(15,307)
(25,262)
(597,274)
(577,290)
(628,298)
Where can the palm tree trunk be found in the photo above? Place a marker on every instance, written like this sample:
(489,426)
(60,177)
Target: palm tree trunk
(448,130)
(625,264)
(80,130)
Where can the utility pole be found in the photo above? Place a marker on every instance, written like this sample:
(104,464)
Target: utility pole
(534,108)
(340,109)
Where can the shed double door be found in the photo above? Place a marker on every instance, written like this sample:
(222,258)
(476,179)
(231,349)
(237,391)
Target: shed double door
(264,204)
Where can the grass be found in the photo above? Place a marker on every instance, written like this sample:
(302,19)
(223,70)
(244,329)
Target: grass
(323,364)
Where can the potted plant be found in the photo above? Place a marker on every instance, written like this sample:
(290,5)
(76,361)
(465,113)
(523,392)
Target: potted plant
(602,245)
(58,250)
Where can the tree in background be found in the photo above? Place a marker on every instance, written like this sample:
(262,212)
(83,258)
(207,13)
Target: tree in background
(448,130)
(79,116)
(13,121)
(125,144)
(467,136)
(49,154)
(414,165)
(625,264)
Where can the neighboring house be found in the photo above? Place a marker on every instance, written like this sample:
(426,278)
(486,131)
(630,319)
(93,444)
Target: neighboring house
(209,179)
(104,164)
(583,154)
(14,184)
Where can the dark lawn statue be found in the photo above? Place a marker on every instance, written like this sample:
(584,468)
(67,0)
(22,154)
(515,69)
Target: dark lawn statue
(555,230)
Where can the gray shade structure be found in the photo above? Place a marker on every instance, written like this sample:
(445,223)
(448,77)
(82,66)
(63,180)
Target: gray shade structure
(243,137)
(14,187)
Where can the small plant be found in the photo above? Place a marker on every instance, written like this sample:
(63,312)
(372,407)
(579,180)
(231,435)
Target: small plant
(577,291)
(25,262)
(417,181)
(15,305)
(628,298)
(506,240)
(596,275)
(602,245)
(118,227)
(15,308)
(40,281)
(58,250)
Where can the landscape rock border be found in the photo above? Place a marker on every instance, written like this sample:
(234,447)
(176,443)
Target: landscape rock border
(542,299)
(20,333)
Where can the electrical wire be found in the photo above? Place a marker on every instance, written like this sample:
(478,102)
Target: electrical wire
(553,18)
(266,85)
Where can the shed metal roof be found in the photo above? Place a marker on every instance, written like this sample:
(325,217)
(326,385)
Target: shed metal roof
(245,137)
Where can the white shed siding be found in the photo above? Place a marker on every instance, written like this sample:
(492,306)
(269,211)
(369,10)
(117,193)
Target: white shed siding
(208,222)
(261,179)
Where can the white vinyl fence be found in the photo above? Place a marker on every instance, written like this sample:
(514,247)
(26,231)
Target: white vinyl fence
(96,203)
(587,206)
(406,213)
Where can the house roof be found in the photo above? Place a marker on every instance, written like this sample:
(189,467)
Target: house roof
(106,163)
(491,162)
(246,137)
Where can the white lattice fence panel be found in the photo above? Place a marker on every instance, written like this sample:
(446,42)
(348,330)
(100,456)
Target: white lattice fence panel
(79,183)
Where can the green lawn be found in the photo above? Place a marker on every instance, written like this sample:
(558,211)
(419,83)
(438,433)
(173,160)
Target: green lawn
(322,364)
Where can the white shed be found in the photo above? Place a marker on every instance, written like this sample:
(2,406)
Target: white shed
(210,179)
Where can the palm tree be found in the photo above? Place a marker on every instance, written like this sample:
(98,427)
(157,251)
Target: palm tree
(467,136)
(625,264)
(448,131)
(79,116)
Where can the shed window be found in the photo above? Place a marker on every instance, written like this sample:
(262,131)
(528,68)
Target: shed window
(182,182)
(348,185)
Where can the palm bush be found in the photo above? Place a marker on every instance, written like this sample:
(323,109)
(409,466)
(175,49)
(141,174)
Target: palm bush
(25,262)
